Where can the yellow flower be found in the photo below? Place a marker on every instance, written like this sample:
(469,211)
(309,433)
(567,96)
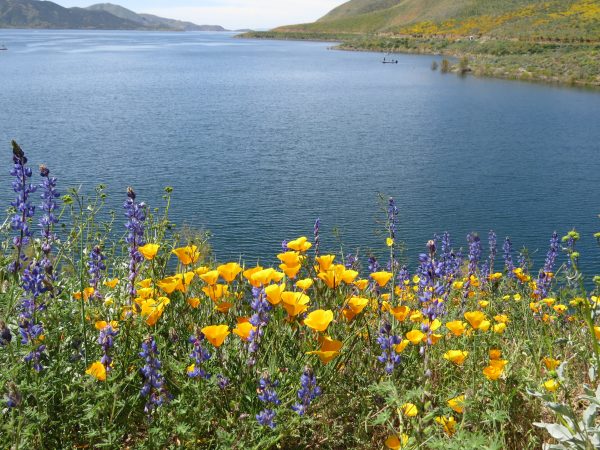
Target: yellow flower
(416,316)
(201,270)
(389,242)
(330,348)
(355,306)
(551,385)
(215,334)
(149,251)
(97,370)
(517,297)
(87,293)
(495,276)
(102,324)
(248,275)
(294,302)
(349,275)
(448,424)
(274,292)
(216,292)
(560,309)
(169,284)
(457,285)
(194,302)
(261,277)
(324,262)
(187,255)
(152,309)
(499,328)
(400,313)
(501,318)
(551,363)
(457,403)
(495,369)
(319,320)
(381,278)
(304,284)
(300,244)
(597,332)
(333,277)
(401,346)
(475,318)
(290,259)
(229,271)
(456,327)
(415,336)
(361,284)
(456,356)
(211,277)
(394,442)
(111,283)
(223,307)
(243,330)
(483,303)
(409,410)
(290,271)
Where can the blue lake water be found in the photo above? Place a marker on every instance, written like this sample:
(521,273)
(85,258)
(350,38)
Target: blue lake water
(258,138)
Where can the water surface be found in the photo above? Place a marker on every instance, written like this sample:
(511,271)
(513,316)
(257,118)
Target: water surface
(258,138)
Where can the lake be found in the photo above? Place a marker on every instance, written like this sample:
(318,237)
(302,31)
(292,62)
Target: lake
(259,138)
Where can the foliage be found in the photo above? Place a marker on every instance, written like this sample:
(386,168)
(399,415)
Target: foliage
(135,336)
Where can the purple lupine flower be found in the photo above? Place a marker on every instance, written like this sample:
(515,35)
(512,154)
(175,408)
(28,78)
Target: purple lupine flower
(317,237)
(268,396)
(569,239)
(387,341)
(33,284)
(545,275)
(308,391)
(222,381)
(284,246)
(485,272)
(22,204)
(5,334)
(373,264)
(48,220)
(392,217)
(106,341)
(431,290)
(136,215)
(522,260)
(474,256)
(403,276)
(13,397)
(351,261)
(95,267)
(493,242)
(154,384)
(266,418)
(261,307)
(508,261)
(199,355)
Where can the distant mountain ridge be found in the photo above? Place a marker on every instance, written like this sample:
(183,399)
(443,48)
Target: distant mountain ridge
(101,16)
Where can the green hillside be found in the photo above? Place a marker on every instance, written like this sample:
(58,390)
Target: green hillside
(528,19)
(551,41)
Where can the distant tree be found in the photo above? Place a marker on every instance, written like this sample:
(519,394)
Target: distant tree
(463,65)
(434,65)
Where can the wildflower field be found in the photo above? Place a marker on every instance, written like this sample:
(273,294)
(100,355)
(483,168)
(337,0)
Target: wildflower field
(127,333)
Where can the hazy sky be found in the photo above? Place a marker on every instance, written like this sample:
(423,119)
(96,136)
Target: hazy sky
(228,13)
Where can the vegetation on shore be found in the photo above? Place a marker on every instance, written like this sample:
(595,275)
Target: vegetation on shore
(552,41)
(147,341)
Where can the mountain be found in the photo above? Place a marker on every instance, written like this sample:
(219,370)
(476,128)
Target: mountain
(151,21)
(558,19)
(42,14)
(103,16)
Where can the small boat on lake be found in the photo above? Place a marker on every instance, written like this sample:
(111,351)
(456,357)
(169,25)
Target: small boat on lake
(2,47)
(389,61)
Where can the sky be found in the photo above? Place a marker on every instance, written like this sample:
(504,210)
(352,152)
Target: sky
(232,14)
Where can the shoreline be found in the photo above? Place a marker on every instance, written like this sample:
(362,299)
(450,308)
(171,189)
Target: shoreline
(517,67)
